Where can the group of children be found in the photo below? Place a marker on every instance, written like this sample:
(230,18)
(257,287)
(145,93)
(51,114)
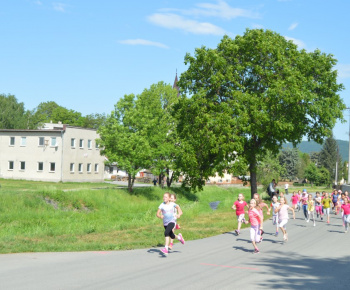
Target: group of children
(169,212)
(322,205)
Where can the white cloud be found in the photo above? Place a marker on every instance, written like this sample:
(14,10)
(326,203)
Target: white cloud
(174,21)
(221,9)
(343,71)
(293,26)
(298,42)
(60,7)
(139,41)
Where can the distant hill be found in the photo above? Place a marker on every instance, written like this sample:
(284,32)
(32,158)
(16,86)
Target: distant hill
(312,146)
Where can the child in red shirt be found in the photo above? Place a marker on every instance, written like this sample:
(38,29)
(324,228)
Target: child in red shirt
(239,206)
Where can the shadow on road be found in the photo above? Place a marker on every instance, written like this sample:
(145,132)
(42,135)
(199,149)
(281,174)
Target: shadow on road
(301,272)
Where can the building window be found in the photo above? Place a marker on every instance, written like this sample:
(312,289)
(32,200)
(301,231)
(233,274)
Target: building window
(81,143)
(52,166)
(12,141)
(111,170)
(89,144)
(71,167)
(72,142)
(11,165)
(40,166)
(23,141)
(81,167)
(96,167)
(88,167)
(41,141)
(97,146)
(22,165)
(53,141)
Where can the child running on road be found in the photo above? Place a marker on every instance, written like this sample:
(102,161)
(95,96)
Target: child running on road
(282,211)
(311,209)
(346,213)
(327,202)
(259,206)
(274,205)
(304,198)
(239,206)
(166,213)
(318,205)
(294,199)
(255,219)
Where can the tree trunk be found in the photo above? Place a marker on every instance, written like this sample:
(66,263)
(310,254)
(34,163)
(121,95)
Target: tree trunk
(169,180)
(253,182)
(131,181)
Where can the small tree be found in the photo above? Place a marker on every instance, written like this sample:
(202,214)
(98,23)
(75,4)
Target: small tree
(311,173)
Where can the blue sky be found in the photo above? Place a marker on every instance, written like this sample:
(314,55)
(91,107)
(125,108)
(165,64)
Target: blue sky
(85,55)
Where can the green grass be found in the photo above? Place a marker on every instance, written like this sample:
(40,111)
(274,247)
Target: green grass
(42,216)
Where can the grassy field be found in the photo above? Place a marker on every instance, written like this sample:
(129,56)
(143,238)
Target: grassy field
(42,216)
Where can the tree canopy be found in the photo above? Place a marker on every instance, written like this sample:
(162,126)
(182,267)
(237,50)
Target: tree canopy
(251,94)
(13,115)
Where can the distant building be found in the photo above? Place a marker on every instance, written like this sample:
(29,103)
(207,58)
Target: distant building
(55,152)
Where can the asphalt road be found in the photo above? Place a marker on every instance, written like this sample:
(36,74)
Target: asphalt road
(313,258)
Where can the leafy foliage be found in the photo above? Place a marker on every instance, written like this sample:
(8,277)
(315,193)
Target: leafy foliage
(13,115)
(240,94)
(329,155)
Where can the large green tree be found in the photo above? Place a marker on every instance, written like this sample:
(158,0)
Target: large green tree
(13,114)
(140,133)
(289,158)
(329,156)
(256,92)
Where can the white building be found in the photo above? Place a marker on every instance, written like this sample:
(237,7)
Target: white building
(55,152)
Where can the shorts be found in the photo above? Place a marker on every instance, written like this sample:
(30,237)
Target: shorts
(275,219)
(326,210)
(241,218)
(283,223)
(255,233)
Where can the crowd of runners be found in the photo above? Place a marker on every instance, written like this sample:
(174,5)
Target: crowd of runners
(318,206)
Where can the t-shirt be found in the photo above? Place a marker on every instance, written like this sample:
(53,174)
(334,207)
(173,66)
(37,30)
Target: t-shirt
(346,208)
(335,198)
(326,202)
(254,217)
(295,199)
(304,198)
(283,212)
(168,212)
(310,205)
(240,206)
(274,205)
(318,200)
(286,186)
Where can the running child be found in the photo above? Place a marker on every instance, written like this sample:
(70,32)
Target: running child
(239,206)
(166,213)
(335,197)
(255,219)
(304,198)
(346,212)
(282,211)
(177,226)
(299,202)
(327,202)
(318,205)
(311,208)
(274,205)
(294,199)
(259,206)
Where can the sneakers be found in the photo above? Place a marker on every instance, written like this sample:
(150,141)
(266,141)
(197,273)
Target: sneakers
(256,251)
(261,232)
(321,218)
(164,251)
(285,237)
(171,246)
(314,224)
(317,215)
(261,239)
(307,221)
(276,234)
(327,222)
(181,239)
(237,232)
